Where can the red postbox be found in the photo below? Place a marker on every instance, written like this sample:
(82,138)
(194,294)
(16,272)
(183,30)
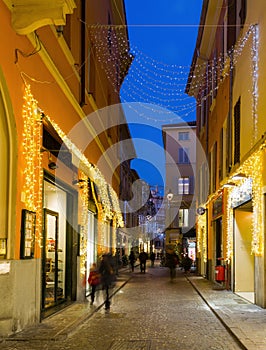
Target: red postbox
(220,273)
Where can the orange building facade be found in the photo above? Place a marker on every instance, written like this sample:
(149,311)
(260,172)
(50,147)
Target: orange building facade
(59,184)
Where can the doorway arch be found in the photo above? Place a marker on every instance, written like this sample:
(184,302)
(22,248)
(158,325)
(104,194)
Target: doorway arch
(8,164)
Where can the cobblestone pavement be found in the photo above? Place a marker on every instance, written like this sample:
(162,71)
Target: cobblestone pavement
(149,313)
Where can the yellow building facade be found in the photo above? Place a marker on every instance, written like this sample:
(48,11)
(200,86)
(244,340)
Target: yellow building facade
(227,80)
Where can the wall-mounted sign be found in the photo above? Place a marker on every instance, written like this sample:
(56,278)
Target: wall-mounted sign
(28,221)
(217,207)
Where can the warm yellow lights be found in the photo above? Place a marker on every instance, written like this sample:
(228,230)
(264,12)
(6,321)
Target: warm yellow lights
(32,174)
(84,197)
(229,227)
(116,207)
(202,236)
(252,169)
(111,207)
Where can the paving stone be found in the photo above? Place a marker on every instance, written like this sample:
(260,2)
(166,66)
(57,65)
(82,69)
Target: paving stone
(149,312)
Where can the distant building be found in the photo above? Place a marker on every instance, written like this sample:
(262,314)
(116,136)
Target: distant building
(180,156)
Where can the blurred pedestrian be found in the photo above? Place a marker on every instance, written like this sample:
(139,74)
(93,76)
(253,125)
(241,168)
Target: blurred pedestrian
(132,259)
(152,257)
(171,261)
(108,278)
(117,262)
(143,256)
(125,260)
(187,263)
(94,280)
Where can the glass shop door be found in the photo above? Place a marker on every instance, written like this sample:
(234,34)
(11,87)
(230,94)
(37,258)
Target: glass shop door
(53,291)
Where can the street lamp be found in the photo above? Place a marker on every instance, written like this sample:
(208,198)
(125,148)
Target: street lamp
(169,196)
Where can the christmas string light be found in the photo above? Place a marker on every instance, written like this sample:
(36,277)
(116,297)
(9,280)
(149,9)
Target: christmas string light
(94,172)
(255,60)
(148,73)
(172,96)
(157,111)
(229,216)
(116,208)
(252,168)
(111,49)
(201,231)
(32,173)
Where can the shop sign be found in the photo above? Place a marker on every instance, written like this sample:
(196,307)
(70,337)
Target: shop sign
(173,235)
(217,208)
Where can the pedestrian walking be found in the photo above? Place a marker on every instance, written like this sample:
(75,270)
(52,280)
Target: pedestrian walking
(143,256)
(171,261)
(108,278)
(94,280)
(187,263)
(132,259)
(152,258)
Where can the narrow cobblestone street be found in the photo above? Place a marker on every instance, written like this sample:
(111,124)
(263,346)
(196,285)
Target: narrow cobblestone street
(149,313)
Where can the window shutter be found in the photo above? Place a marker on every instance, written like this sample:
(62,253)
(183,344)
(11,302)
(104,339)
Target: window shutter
(237,132)
(191,185)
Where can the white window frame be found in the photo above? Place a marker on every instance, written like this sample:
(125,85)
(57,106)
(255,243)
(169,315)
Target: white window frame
(183,136)
(183,217)
(183,185)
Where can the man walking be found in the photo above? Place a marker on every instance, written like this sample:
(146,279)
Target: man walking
(143,256)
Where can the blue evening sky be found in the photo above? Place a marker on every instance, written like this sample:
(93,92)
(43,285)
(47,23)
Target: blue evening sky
(162,36)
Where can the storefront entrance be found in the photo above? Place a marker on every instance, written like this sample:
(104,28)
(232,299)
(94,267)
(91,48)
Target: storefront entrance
(91,247)
(57,265)
(244,274)
(54,290)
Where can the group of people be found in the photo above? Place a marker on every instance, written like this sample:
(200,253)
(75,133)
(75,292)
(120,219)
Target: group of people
(105,275)
(143,257)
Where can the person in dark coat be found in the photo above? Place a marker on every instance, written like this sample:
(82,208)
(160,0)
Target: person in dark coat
(143,256)
(171,261)
(152,257)
(132,259)
(106,270)
(186,263)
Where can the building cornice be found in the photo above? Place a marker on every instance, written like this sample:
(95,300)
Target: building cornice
(29,15)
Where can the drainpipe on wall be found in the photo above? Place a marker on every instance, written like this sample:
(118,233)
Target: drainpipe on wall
(83,54)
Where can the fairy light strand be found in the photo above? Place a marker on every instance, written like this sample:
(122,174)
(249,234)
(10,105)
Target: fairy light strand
(32,173)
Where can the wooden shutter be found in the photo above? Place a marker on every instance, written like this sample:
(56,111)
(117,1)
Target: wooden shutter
(237,132)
